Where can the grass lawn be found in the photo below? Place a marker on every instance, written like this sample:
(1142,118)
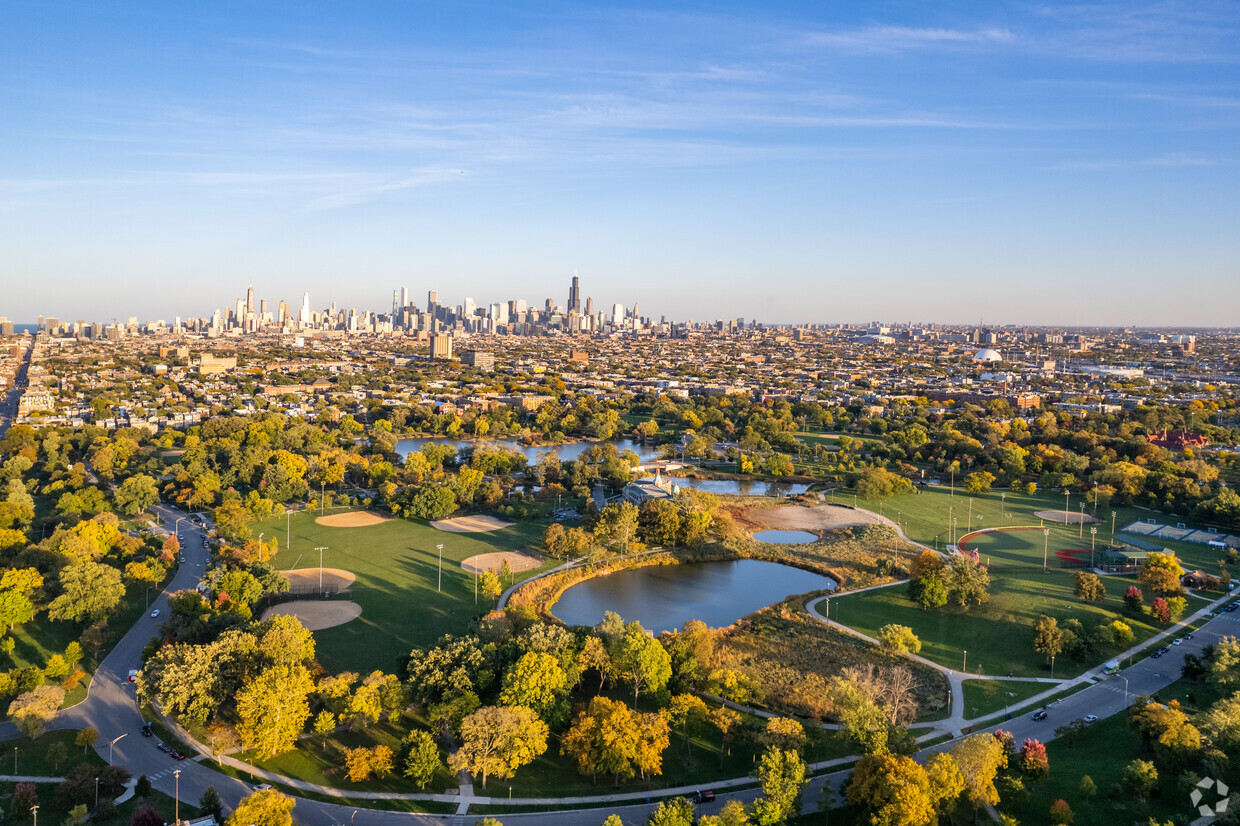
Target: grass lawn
(320,760)
(396,565)
(52,811)
(36,641)
(1102,752)
(981,697)
(997,636)
(32,758)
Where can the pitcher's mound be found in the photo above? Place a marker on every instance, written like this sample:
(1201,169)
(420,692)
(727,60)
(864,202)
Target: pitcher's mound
(317,615)
(470,524)
(354,519)
(1072,518)
(307,579)
(492,562)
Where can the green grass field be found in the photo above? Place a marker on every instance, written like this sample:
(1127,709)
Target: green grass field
(982,697)
(396,564)
(997,636)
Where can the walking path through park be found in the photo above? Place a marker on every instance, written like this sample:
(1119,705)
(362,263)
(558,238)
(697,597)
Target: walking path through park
(112,709)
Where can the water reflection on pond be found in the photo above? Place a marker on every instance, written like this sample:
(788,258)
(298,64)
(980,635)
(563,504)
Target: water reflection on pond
(645,452)
(664,597)
(782,537)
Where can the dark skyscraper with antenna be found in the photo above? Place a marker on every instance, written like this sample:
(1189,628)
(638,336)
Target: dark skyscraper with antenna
(574,296)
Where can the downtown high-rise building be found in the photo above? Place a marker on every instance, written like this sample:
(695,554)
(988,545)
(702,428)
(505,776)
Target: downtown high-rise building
(574,295)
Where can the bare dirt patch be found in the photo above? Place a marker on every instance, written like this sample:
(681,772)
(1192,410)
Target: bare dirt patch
(471,524)
(1068,518)
(809,518)
(317,614)
(334,579)
(353,519)
(492,562)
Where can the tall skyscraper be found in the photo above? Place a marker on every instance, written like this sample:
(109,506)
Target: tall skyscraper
(432,298)
(249,299)
(304,317)
(404,296)
(590,306)
(574,295)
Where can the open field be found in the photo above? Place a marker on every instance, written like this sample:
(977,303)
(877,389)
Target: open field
(396,568)
(998,636)
(327,579)
(809,517)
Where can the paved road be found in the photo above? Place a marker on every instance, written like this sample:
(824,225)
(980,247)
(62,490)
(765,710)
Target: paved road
(10,398)
(112,710)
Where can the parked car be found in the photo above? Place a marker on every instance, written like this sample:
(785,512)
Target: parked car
(1040,714)
(1156,654)
(176,755)
(146,730)
(1177,641)
(1090,718)
(155,613)
(165,748)
(1189,635)
(704,796)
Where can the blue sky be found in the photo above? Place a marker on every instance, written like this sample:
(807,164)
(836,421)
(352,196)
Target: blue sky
(793,162)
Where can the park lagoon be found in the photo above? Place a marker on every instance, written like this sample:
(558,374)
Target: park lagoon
(665,597)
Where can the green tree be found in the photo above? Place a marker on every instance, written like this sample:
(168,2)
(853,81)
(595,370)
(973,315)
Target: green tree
(1161,572)
(88,591)
(980,757)
(498,740)
(1089,587)
(421,757)
(968,581)
(1140,778)
(899,638)
(929,590)
(210,803)
(136,494)
(263,808)
(489,585)
(675,812)
(537,681)
(641,660)
(617,526)
(86,738)
(782,774)
(1047,636)
(232,522)
(273,709)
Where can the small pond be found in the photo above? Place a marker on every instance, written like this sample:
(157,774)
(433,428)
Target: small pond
(740,487)
(665,597)
(572,450)
(777,537)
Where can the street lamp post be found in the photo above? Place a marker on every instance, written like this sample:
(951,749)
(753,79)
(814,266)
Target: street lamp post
(96,793)
(288,529)
(1093,535)
(177,798)
(320,550)
(260,547)
(113,745)
(34,810)
(1066,494)
(439,587)
(1046,540)
(1081,532)
(1125,679)
(1112,527)
(1002,505)
(955,530)
(964,661)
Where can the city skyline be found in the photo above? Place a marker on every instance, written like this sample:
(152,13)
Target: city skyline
(1067,166)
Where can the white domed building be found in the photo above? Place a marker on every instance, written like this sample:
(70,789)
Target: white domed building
(987,355)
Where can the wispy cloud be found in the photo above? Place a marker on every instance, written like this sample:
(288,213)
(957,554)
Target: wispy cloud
(895,39)
(423,177)
(1173,160)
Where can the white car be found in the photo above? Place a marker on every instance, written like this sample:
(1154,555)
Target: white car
(155,613)
(1091,718)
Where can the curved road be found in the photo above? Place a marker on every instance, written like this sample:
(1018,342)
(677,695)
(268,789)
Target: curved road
(111,709)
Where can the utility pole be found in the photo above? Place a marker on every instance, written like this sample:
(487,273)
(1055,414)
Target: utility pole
(439,586)
(1093,535)
(1046,539)
(1081,532)
(322,493)
(320,550)
(177,798)
(260,547)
